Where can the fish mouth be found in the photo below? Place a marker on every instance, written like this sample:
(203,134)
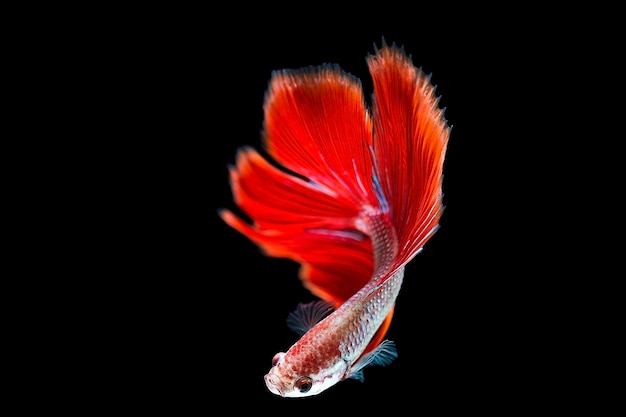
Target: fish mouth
(274,384)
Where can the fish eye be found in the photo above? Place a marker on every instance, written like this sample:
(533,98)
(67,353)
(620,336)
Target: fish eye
(303,384)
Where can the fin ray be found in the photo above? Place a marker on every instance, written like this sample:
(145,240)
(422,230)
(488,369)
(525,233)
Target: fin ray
(308,315)
(317,124)
(382,355)
(303,222)
(408,123)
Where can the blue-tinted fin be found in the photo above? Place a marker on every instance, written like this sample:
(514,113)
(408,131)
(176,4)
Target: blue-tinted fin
(384,205)
(358,375)
(308,315)
(383,355)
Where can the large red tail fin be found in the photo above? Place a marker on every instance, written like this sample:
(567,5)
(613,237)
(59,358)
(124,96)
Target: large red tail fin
(318,126)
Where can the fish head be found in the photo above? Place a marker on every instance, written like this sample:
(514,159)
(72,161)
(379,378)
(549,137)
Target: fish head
(295,377)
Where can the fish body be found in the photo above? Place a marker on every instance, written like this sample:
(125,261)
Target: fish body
(353,197)
(338,341)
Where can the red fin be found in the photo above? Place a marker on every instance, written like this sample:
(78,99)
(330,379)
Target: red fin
(297,219)
(317,124)
(410,141)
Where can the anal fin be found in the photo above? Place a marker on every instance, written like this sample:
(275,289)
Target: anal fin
(381,355)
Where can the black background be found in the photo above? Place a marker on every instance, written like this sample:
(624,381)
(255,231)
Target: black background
(204,311)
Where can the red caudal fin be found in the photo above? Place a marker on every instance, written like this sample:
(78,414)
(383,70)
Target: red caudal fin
(410,140)
(316,125)
(333,160)
(300,220)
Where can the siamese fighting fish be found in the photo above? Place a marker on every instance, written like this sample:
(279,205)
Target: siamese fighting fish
(351,191)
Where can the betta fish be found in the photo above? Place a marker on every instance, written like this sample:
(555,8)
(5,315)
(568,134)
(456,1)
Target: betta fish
(351,192)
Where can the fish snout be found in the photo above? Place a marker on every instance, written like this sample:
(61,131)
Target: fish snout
(273,383)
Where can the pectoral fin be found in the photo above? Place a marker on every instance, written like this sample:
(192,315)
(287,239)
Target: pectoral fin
(308,315)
